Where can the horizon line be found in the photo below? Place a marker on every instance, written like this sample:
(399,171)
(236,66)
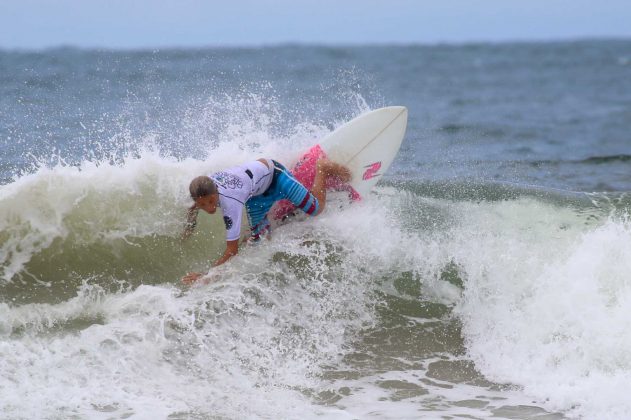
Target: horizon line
(320,44)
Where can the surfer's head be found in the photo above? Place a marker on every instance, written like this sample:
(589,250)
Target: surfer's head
(204,192)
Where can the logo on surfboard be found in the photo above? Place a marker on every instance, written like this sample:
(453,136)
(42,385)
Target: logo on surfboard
(371,171)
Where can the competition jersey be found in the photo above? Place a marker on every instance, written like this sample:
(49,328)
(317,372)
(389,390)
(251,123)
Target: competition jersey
(237,185)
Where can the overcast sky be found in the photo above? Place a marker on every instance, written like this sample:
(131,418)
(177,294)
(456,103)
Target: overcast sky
(160,23)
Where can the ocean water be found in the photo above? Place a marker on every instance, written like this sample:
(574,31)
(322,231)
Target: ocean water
(488,275)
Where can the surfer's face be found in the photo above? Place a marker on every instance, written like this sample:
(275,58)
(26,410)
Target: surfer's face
(208,203)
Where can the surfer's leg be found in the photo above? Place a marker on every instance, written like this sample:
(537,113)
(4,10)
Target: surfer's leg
(257,209)
(291,189)
(311,202)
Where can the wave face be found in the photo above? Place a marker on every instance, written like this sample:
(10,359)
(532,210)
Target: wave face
(483,277)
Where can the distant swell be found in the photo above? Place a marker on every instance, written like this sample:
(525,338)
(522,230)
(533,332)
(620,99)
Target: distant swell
(607,159)
(592,160)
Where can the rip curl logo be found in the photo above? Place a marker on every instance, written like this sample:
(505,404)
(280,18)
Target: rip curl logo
(371,171)
(228,180)
(228,221)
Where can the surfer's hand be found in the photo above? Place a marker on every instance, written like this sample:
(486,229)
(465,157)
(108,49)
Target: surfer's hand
(191,278)
(200,278)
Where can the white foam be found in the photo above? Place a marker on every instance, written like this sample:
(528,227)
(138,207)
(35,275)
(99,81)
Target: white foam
(546,304)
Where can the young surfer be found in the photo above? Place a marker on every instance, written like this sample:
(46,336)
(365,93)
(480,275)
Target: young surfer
(257,185)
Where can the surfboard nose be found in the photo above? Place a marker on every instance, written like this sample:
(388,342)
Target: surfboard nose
(368,144)
(397,108)
(393,112)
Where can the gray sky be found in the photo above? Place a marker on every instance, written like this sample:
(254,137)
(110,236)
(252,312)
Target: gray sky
(161,23)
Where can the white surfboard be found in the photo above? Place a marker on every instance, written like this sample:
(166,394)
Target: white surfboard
(367,145)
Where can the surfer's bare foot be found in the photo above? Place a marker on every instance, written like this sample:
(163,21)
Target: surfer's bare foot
(332,169)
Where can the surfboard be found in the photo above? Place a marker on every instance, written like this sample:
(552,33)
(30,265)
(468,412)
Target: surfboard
(367,145)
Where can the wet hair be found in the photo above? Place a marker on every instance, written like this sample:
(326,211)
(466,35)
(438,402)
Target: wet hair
(201,187)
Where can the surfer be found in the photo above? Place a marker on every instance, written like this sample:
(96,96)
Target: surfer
(257,185)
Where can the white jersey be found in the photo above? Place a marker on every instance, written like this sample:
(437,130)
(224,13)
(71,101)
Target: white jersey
(237,185)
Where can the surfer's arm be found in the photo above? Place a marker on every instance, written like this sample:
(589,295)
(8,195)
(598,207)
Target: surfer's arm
(232,212)
(232,249)
(191,222)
